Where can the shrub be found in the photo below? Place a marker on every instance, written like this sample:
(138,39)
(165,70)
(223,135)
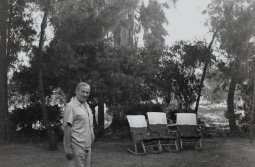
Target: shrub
(29,119)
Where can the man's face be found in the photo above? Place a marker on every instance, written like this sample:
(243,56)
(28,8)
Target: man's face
(83,93)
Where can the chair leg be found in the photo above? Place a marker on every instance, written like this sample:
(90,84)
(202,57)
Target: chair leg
(135,151)
(170,146)
(176,145)
(143,146)
(181,143)
(153,148)
(160,146)
(200,144)
(135,147)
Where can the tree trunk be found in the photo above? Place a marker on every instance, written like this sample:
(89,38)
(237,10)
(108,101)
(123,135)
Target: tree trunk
(10,18)
(204,72)
(3,72)
(123,36)
(92,107)
(50,133)
(201,87)
(100,117)
(230,105)
(252,116)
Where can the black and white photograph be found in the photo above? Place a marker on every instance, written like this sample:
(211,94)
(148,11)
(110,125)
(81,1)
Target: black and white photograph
(127,83)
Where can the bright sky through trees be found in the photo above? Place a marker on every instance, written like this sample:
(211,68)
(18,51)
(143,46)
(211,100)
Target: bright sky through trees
(186,21)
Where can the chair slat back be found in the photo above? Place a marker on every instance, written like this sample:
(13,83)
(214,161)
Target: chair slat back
(157,118)
(186,119)
(136,121)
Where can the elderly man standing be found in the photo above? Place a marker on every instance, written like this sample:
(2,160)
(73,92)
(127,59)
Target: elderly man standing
(78,128)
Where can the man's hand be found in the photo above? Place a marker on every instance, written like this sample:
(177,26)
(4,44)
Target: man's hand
(69,153)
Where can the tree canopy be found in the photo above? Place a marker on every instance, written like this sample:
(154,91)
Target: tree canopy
(97,42)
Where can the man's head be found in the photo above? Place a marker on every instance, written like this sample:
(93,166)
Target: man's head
(82,91)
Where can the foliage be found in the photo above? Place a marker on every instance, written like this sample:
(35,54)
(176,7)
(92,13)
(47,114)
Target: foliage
(177,80)
(21,33)
(193,54)
(80,39)
(121,76)
(74,22)
(247,95)
(16,35)
(85,22)
(30,117)
(152,20)
(235,22)
(26,78)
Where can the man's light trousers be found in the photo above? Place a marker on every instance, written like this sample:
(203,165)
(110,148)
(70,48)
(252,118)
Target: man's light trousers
(82,157)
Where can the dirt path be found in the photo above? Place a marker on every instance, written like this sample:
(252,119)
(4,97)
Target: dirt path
(218,152)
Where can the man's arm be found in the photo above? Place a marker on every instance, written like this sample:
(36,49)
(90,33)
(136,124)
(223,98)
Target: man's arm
(67,127)
(67,141)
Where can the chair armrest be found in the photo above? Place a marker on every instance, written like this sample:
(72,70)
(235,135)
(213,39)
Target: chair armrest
(200,128)
(172,131)
(172,127)
(150,131)
(144,136)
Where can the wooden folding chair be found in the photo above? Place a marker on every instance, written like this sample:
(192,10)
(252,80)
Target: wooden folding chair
(189,131)
(168,138)
(142,136)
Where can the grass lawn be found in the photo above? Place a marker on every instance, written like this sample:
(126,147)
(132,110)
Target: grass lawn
(218,152)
